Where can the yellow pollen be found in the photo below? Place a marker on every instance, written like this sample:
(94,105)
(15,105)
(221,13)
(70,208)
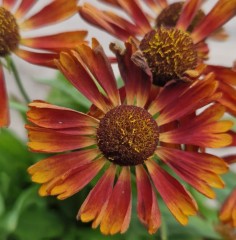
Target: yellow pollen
(127,135)
(169,52)
(9,33)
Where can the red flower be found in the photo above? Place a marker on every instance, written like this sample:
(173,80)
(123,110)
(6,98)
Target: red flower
(127,129)
(173,41)
(40,50)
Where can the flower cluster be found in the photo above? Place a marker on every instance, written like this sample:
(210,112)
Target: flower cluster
(153,132)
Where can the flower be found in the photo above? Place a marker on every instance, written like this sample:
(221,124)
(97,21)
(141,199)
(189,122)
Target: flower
(127,131)
(173,41)
(40,50)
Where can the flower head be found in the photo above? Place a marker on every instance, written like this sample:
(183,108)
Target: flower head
(127,131)
(172,40)
(40,50)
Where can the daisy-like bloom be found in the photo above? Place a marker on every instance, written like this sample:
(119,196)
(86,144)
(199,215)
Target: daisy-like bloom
(127,131)
(40,50)
(172,40)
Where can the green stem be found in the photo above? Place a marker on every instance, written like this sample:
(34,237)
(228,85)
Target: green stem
(163,230)
(13,69)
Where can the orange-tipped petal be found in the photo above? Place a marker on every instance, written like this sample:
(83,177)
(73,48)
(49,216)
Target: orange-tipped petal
(222,12)
(51,116)
(99,66)
(52,167)
(57,42)
(4,110)
(24,7)
(198,169)
(78,74)
(228,210)
(54,12)
(147,208)
(42,59)
(47,140)
(189,11)
(95,204)
(117,215)
(73,180)
(175,196)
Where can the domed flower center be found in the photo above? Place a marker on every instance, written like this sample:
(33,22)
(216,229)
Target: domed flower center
(9,33)
(170,15)
(169,52)
(127,135)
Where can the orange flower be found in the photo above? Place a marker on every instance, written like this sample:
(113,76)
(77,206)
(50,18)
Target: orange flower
(227,213)
(40,50)
(127,129)
(173,41)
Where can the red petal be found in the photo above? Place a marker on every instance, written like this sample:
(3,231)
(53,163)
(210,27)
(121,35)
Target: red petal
(24,7)
(222,12)
(42,59)
(73,180)
(47,140)
(137,80)
(51,116)
(52,167)
(57,42)
(189,11)
(198,169)
(147,208)
(77,73)
(95,204)
(117,215)
(54,12)
(176,197)
(8,4)
(98,64)
(4,110)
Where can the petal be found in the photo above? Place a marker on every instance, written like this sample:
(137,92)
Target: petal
(24,7)
(147,208)
(53,12)
(98,64)
(222,12)
(95,204)
(198,169)
(188,13)
(76,71)
(137,80)
(42,59)
(8,4)
(202,130)
(51,167)
(73,180)
(196,95)
(117,215)
(58,41)
(51,116)
(108,21)
(4,109)
(47,140)
(228,210)
(175,196)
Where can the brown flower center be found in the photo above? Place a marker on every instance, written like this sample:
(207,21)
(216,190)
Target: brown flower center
(127,135)
(9,33)
(170,15)
(169,52)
